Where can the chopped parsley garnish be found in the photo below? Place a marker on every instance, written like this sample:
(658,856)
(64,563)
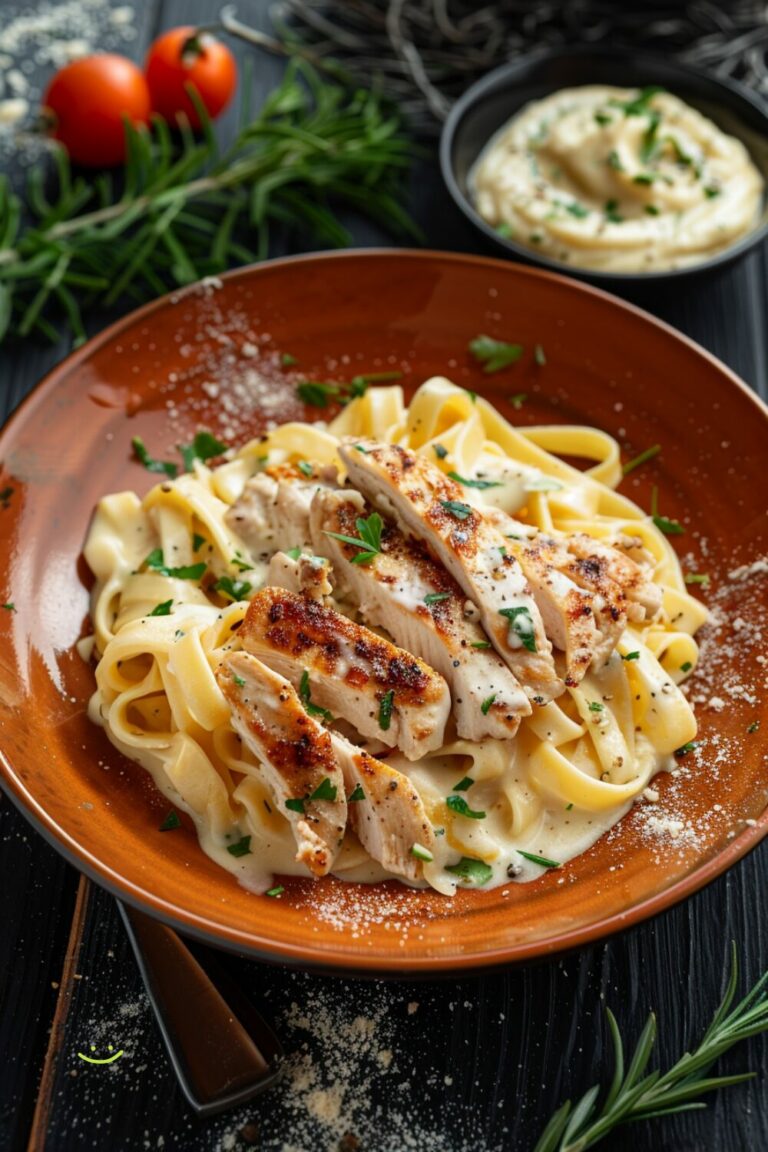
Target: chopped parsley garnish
(238,680)
(241,565)
(156,562)
(163,609)
(480,484)
(472,395)
(295,805)
(321,393)
(594,706)
(276,891)
(359,448)
(631,656)
(681,156)
(644,178)
(305,468)
(642,458)
(464,784)
(504,230)
(9,606)
(197,542)
(603,118)
(538,355)
(171,821)
(485,707)
(689,747)
(612,213)
(293,553)
(481,643)
(456,508)
(614,161)
(436,597)
(638,105)
(686,667)
(241,848)
(577,210)
(422,853)
(233,590)
(369,540)
(711,191)
(494,354)
(569,806)
(471,871)
(521,623)
(519,399)
(318,393)
(324,791)
(166,467)
(753,727)
(287,360)
(652,210)
(385,710)
(545,863)
(697,578)
(668,527)
(650,140)
(305,695)
(357,794)
(439,451)
(204,447)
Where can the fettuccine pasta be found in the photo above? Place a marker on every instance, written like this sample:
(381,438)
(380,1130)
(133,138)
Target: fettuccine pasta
(173,581)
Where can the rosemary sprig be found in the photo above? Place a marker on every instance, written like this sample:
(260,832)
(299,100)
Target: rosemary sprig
(184,211)
(634,1095)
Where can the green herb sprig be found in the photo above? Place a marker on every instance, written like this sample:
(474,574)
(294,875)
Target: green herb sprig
(635,1094)
(183,210)
(369,540)
(494,354)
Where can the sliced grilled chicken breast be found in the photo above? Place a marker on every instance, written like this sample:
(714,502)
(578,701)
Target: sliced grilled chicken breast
(273,510)
(583,615)
(626,563)
(295,753)
(406,592)
(308,575)
(389,817)
(432,507)
(382,690)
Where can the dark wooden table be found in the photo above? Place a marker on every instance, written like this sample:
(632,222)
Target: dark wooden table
(477,1064)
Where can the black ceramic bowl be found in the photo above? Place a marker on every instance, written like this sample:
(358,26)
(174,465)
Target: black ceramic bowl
(492,101)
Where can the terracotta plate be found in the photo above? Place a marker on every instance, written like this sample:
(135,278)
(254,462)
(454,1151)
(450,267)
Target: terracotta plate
(210,357)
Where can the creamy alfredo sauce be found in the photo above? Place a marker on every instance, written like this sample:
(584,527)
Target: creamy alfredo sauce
(617,179)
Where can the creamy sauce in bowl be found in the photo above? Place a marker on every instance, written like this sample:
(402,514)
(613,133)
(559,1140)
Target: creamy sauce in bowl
(617,180)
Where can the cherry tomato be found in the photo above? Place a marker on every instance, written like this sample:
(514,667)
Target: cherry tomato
(185,56)
(87,101)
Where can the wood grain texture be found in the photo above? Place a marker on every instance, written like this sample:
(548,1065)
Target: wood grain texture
(479,1064)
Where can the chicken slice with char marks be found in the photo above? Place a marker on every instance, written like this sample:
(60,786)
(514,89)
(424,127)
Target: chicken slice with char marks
(433,508)
(393,592)
(385,692)
(295,754)
(390,818)
(583,611)
(626,563)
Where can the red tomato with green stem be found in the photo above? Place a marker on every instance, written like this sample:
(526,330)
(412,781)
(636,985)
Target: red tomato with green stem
(189,56)
(87,103)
